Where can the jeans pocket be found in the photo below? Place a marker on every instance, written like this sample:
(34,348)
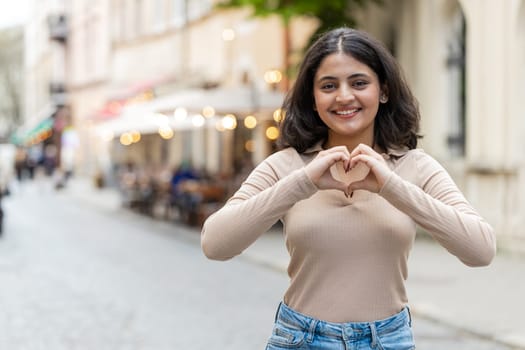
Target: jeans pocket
(398,338)
(284,337)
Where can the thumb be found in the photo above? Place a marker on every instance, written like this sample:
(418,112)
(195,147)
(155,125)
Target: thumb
(340,186)
(357,185)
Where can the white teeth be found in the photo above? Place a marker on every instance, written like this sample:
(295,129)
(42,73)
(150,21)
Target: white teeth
(346,112)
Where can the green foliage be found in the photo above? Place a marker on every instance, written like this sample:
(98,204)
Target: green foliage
(330,13)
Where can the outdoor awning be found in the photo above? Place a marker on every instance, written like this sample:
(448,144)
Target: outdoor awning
(147,117)
(146,122)
(36,128)
(34,135)
(223,100)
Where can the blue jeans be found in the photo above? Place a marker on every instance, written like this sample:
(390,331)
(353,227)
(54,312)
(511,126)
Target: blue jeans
(293,330)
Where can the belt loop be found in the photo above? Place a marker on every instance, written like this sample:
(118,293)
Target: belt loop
(373,332)
(277,312)
(311,330)
(409,316)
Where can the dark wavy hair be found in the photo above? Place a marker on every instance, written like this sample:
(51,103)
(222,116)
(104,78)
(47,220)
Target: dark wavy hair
(397,122)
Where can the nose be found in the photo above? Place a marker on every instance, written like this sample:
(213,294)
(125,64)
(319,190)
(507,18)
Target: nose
(344,95)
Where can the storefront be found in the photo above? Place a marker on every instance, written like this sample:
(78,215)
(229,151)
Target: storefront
(43,139)
(217,130)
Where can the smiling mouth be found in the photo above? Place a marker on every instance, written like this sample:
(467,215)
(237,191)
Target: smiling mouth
(347,112)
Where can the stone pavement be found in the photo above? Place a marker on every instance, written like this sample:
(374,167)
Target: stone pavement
(487,302)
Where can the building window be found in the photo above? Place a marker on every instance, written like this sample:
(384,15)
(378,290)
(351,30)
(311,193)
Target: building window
(138,19)
(457,86)
(117,23)
(198,9)
(159,16)
(178,13)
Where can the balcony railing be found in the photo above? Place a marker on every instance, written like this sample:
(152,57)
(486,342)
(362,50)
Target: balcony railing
(58,29)
(58,93)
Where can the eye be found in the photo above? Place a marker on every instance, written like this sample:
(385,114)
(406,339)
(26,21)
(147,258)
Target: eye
(327,86)
(360,84)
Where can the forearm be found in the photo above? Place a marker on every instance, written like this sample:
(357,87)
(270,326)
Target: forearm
(450,219)
(250,213)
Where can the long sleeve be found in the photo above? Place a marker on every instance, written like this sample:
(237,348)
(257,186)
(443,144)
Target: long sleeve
(436,204)
(268,192)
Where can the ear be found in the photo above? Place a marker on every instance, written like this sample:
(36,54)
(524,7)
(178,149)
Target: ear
(383,95)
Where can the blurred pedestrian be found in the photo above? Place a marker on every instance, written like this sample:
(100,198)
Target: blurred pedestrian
(181,199)
(20,163)
(350,186)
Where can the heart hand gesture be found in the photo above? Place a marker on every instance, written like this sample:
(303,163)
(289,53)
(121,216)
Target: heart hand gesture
(336,168)
(379,170)
(319,168)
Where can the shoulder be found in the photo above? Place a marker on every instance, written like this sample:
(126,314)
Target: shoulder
(286,154)
(424,161)
(285,157)
(414,157)
(283,162)
(416,165)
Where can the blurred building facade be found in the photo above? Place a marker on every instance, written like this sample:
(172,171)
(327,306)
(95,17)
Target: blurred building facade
(11,56)
(45,101)
(163,81)
(465,61)
(157,65)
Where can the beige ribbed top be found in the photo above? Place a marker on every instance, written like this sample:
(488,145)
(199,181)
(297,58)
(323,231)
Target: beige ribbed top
(348,256)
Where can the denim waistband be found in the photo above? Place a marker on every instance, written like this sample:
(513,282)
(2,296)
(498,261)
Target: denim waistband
(345,331)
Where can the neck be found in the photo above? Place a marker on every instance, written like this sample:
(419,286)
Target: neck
(350,143)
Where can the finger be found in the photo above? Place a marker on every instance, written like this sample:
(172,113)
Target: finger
(363,149)
(378,167)
(331,152)
(337,149)
(346,164)
(369,161)
(342,187)
(358,185)
(335,157)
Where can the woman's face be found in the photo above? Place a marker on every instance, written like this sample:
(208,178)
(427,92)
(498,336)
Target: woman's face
(346,94)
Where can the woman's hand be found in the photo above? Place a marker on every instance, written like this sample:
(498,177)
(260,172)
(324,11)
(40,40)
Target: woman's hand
(379,170)
(319,168)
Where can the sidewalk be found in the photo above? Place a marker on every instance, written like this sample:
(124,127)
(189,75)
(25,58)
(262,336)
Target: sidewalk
(487,302)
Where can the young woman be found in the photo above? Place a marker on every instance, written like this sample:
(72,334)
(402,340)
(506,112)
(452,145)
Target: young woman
(350,187)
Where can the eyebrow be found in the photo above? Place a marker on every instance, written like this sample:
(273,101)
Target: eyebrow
(352,76)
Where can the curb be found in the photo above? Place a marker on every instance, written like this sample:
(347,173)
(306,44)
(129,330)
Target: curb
(514,344)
